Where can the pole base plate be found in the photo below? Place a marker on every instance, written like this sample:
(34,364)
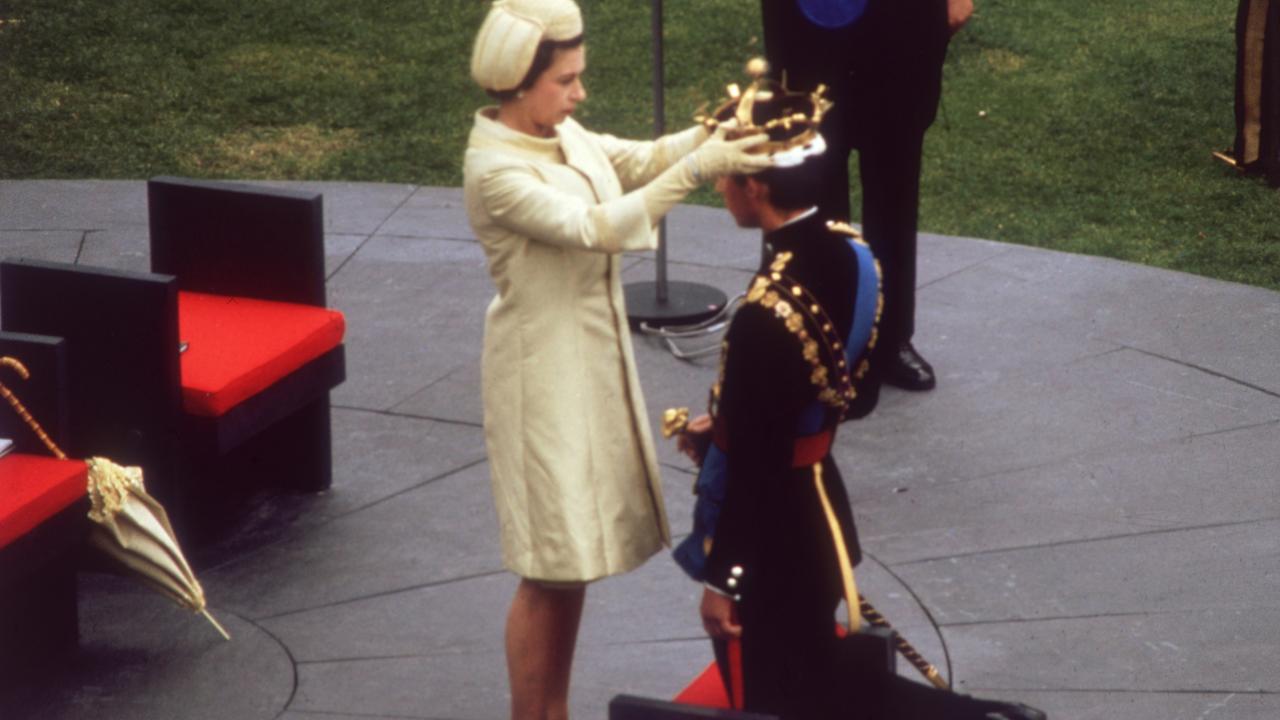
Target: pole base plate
(686,303)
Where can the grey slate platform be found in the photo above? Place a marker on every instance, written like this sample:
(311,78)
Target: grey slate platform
(1084,515)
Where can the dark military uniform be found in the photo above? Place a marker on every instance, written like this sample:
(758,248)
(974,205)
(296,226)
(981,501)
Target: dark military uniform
(775,408)
(774,429)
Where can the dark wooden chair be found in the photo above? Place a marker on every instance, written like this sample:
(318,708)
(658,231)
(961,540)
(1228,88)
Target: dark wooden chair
(261,244)
(42,513)
(239,281)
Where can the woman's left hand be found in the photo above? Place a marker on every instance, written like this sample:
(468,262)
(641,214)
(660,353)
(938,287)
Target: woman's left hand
(719,156)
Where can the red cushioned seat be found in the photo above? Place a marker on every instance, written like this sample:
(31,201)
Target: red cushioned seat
(706,690)
(35,488)
(238,347)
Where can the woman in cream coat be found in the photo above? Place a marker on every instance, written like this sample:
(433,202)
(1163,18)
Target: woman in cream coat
(573,469)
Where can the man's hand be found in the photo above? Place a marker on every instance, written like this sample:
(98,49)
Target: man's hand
(717,616)
(958,13)
(695,438)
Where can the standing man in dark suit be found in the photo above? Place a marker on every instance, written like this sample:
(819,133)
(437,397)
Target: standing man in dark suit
(882,63)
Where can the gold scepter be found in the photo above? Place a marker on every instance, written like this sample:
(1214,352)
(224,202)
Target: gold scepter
(906,649)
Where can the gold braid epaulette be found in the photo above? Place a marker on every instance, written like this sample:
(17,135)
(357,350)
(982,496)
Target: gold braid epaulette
(845,228)
(793,304)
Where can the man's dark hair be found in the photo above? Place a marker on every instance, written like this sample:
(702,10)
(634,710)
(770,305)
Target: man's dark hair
(790,188)
(542,58)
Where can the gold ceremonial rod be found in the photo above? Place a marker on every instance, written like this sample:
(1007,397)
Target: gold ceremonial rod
(22,411)
(908,651)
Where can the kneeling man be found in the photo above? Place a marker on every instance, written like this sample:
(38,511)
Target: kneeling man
(774,539)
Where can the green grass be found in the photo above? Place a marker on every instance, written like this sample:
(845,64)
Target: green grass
(1099,122)
(1083,126)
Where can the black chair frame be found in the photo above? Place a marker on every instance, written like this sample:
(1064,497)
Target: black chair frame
(39,621)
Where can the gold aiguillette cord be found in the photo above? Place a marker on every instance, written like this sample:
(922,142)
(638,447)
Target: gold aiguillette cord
(842,552)
(859,607)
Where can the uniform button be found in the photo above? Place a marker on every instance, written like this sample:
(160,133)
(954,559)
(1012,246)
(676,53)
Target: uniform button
(733,583)
(736,571)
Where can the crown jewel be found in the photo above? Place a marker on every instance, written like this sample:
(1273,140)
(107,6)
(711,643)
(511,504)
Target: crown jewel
(790,118)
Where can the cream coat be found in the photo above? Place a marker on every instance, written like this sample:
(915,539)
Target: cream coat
(572,463)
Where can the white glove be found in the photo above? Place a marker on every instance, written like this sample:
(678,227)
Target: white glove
(712,160)
(718,157)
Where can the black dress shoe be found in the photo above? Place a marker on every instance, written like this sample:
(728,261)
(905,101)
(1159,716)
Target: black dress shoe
(907,370)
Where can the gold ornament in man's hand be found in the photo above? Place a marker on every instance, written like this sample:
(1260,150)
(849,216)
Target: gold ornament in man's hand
(674,421)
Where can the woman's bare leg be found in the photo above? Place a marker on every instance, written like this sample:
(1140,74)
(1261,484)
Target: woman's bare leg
(542,629)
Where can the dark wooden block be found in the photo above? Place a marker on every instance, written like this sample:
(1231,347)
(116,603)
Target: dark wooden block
(223,434)
(236,239)
(39,621)
(123,380)
(871,652)
(630,707)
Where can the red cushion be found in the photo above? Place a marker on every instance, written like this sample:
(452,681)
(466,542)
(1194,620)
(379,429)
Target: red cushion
(238,347)
(34,488)
(706,690)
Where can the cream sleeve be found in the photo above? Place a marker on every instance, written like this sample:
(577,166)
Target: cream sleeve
(639,162)
(519,200)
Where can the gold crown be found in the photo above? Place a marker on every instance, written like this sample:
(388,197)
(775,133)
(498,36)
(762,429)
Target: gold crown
(790,118)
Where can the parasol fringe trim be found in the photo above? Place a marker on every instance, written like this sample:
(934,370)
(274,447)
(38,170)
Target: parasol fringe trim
(109,485)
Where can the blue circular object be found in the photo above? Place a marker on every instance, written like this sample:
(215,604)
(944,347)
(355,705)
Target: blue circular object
(832,14)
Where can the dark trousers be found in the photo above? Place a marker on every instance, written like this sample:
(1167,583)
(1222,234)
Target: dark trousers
(884,74)
(888,167)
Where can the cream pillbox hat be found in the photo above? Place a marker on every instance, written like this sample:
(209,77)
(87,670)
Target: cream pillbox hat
(510,35)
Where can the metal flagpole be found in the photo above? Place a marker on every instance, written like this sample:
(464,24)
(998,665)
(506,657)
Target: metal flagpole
(662,302)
